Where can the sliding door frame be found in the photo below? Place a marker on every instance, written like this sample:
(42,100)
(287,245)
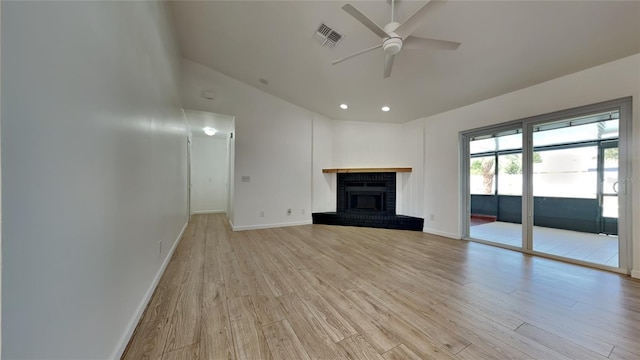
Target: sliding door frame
(465,187)
(625,196)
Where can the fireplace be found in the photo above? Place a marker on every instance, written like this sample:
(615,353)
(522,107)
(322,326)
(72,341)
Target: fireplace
(368,199)
(366,193)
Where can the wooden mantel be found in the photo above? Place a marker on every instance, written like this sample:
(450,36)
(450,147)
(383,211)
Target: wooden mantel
(367,170)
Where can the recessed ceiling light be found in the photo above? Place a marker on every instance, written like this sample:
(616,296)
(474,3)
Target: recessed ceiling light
(344,106)
(385,108)
(210,131)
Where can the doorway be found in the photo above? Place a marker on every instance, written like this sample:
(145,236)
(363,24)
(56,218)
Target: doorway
(211,151)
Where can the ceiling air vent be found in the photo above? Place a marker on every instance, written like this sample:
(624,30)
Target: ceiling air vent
(326,36)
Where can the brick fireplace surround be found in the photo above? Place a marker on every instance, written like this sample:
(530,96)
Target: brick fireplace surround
(367,199)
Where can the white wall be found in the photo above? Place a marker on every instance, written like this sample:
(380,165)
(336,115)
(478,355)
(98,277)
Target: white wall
(613,80)
(272,146)
(209,172)
(363,144)
(94,172)
(410,192)
(324,185)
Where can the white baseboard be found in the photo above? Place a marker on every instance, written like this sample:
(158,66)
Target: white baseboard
(635,274)
(209,212)
(269,226)
(442,233)
(124,340)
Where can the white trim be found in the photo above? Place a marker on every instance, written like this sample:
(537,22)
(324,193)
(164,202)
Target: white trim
(126,337)
(442,233)
(635,274)
(269,226)
(209,212)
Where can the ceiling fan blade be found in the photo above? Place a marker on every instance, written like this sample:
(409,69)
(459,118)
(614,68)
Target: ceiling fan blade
(420,43)
(388,64)
(365,20)
(356,54)
(408,27)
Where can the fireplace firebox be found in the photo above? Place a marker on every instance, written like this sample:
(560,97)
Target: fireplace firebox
(366,193)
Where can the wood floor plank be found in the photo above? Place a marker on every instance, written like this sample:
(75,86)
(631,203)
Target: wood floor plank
(357,348)
(162,304)
(235,283)
(186,353)
(401,352)
(149,341)
(462,321)
(411,336)
(334,323)
(248,339)
(489,329)
(379,337)
(475,352)
(266,266)
(332,292)
(620,354)
(308,329)
(216,341)
(557,343)
(553,318)
(267,308)
(283,342)
(185,323)
(213,264)
(224,234)
(449,340)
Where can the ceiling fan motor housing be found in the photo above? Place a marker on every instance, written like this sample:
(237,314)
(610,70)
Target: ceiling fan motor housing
(392,45)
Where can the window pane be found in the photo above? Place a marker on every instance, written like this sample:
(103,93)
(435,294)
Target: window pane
(574,133)
(610,206)
(498,142)
(510,174)
(610,174)
(482,175)
(567,173)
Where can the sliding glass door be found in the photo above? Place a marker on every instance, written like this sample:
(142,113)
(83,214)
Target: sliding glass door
(569,176)
(495,186)
(552,185)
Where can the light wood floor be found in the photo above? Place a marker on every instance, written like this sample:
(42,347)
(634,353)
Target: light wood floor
(330,292)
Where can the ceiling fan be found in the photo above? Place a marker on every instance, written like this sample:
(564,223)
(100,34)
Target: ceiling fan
(397,36)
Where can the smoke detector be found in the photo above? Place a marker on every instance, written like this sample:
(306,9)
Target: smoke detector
(327,37)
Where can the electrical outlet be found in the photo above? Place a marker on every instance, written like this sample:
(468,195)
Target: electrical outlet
(432,217)
(302,211)
(160,247)
(289,211)
(261,213)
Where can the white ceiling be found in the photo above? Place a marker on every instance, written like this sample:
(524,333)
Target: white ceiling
(506,45)
(198,120)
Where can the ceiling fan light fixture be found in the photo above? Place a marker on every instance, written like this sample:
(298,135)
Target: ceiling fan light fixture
(392,45)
